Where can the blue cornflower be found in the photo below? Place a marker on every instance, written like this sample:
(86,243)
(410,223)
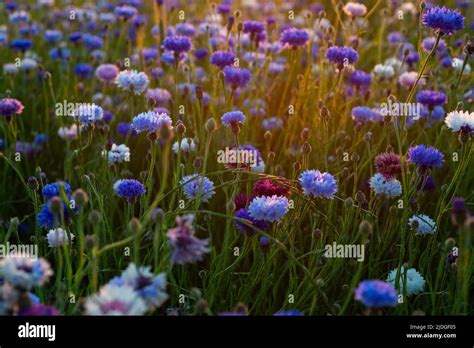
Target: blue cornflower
(431,98)
(195,185)
(222,58)
(422,224)
(376,294)
(53,35)
(245,215)
(437,114)
(151,288)
(132,80)
(264,243)
(125,12)
(382,185)
(89,114)
(425,156)
(233,117)
(129,188)
(269,209)
(360,78)
(294,37)
(365,114)
(150,121)
(443,20)
(49,219)
(76,36)
(237,77)
(414,280)
(125,128)
(342,56)
(25,272)
(60,53)
(51,190)
(83,70)
(21,44)
(93,42)
(318,184)
(178,44)
(18,16)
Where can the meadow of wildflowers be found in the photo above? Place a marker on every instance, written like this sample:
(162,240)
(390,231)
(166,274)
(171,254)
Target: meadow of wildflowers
(236,157)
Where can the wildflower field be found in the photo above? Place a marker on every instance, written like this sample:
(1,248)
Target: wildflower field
(236,157)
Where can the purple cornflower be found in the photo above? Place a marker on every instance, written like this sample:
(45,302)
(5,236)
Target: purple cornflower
(245,215)
(9,107)
(186,248)
(178,44)
(443,20)
(150,54)
(459,212)
(129,188)
(160,96)
(222,58)
(38,310)
(201,53)
(317,184)
(428,43)
(342,56)
(294,37)
(431,98)
(185,29)
(360,78)
(354,9)
(107,72)
(376,294)
(425,156)
(395,37)
(237,77)
(232,118)
(253,28)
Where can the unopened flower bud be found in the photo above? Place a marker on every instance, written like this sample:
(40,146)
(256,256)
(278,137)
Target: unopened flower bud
(210,125)
(80,197)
